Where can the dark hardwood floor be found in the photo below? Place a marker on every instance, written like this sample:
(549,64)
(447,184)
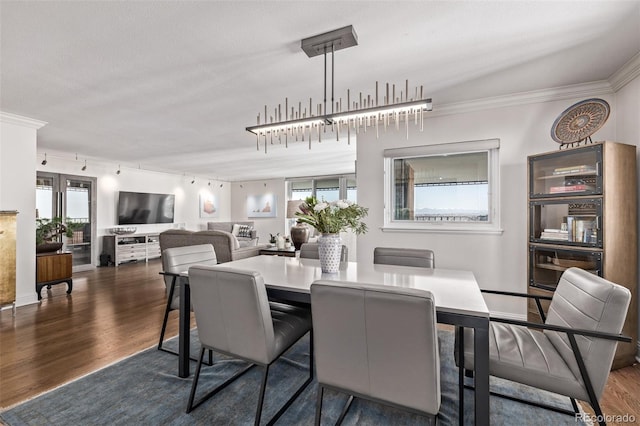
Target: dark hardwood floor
(116,312)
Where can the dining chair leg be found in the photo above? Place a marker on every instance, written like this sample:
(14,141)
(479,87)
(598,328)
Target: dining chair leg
(344,410)
(460,332)
(263,387)
(301,389)
(574,404)
(319,405)
(194,385)
(311,361)
(166,312)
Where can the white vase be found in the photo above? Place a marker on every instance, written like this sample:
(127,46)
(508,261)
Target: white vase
(330,251)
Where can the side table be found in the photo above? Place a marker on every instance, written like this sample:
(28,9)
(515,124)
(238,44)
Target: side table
(274,251)
(53,268)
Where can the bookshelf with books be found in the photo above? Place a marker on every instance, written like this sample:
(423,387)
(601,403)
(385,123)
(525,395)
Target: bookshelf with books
(583,213)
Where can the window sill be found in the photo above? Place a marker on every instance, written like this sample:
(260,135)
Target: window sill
(442,229)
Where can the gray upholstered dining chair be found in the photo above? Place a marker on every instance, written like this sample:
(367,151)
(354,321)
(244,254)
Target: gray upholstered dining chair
(234,318)
(572,352)
(423,258)
(378,343)
(176,260)
(310,251)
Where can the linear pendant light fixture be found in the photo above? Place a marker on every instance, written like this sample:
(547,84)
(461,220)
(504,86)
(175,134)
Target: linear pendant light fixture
(358,114)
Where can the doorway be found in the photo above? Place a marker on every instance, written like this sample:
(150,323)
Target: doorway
(73,198)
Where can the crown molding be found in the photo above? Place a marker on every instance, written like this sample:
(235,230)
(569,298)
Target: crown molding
(19,120)
(627,73)
(602,87)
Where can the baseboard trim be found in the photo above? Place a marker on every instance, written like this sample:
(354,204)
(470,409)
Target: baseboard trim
(638,351)
(26,300)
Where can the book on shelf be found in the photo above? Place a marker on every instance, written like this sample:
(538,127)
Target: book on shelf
(573,169)
(570,188)
(554,234)
(582,229)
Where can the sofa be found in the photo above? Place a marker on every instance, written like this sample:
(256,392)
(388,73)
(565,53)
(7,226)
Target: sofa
(225,244)
(249,238)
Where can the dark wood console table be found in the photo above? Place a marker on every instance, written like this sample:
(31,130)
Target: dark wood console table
(272,251)
(53,268)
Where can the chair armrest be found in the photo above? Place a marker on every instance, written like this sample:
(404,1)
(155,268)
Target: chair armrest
(568,331)
(510,293)
(526,295)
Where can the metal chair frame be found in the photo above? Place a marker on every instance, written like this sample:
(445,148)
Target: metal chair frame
(570,332)
(352,396)
(166,318)
(191,405)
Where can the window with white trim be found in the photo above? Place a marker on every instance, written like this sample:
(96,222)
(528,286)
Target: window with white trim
(443,187)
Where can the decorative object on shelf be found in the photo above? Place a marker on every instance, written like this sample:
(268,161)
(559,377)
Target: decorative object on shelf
(300,231)
(48,230)
(577,123)
(318,119)
(331,218)
(123,230)
(261,205)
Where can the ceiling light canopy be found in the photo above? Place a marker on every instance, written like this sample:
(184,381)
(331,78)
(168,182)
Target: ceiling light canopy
(358,113)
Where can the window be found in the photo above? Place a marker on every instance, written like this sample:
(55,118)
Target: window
(443,187)
(328,188)
(301,189)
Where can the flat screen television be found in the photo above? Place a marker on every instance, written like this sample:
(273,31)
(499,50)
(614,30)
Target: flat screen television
(137,208)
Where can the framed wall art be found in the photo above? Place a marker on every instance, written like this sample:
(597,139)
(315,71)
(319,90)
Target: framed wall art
(261,205)
(209,206)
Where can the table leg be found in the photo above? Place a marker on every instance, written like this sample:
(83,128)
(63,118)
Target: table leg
(184,329)
(481,367)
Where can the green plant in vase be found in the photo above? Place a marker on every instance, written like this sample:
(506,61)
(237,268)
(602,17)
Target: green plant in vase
(48,230)
(331,218)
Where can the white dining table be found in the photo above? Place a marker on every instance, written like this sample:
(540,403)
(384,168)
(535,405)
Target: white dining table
(456,292)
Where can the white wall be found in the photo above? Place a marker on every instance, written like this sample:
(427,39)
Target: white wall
(265,226)
(17,184)
(627,103)
(139,180)
(498,261)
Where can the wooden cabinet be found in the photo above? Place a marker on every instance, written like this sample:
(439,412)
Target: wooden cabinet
(131,247)
(53,268)
(8,258)
(583,213)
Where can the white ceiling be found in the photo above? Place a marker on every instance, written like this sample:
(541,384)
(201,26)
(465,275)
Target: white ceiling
(171,85)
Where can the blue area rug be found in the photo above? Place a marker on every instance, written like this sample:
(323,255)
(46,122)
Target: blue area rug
(144,389)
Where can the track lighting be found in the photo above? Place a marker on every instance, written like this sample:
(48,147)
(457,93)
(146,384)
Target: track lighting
(209,183)
(85,166)
(221,185)
(44,162)
(118,172)
(193,181)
